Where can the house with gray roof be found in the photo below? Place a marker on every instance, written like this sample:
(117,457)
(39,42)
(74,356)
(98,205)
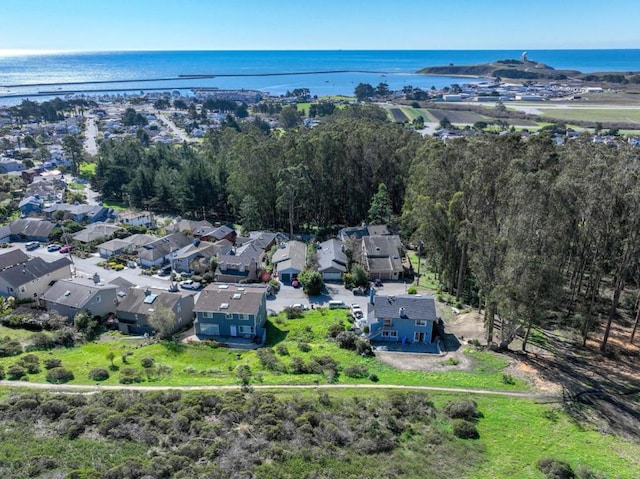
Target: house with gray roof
(27,229)
(125,245)
(136,218)
(189,226)
(69,296)
(160,251)
(136,307)
(13,257)
(382,257)
(232,313)
(332,260)
(96,232)
(241,263)
(30,279)
(79,213)
(31,204)
(182,259)
(290,260)
(406,319)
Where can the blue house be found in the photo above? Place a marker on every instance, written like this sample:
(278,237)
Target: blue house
(406,319)
(31,204)
(232,313)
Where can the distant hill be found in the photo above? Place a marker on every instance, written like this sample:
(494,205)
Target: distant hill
(529,70)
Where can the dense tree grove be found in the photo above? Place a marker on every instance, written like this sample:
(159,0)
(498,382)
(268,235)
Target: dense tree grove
(507,223)
(520,225)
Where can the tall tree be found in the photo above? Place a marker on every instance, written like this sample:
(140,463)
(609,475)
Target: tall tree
(380,210)
(73,149)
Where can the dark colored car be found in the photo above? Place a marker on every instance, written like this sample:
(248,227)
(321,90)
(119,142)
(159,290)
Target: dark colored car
(377,282)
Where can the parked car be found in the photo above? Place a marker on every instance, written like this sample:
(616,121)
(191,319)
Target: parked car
(31,245)
(164,271)
(295,283)
(356,311)
(65,249)
(53,247)
(190,284)
(377,282)
(303,307)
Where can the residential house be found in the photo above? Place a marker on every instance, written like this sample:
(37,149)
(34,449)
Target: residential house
(12,257)
(96,232)
(27,229)
(136,307)
(69,296)
(332,260)
(79,213)
(382,257)
(182,259)
(232,313)
(31,205)
(188,226)
(289,260)
(136,218)
(30,279)
(241,263)
(161,250)
(8,165)
(404,319)
(359,232)
(125,245)
(217,233)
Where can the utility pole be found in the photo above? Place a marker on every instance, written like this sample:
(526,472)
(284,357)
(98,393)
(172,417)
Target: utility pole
(419,261)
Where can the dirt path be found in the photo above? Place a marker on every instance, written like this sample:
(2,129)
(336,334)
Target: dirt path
(90,388)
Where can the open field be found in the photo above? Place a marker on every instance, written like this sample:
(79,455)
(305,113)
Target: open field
(602,114)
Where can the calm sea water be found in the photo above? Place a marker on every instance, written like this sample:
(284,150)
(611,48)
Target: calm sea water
(31,74)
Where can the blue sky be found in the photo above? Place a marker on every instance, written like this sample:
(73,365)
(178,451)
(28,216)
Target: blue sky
(92,25)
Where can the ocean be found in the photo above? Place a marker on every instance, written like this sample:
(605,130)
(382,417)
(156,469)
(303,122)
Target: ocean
(275,72)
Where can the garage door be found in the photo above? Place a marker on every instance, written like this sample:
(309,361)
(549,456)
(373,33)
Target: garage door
(332,276)
(285,278)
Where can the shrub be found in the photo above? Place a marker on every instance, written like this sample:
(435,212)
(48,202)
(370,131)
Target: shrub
(16,372)
(347,340)
(465,429)
(412,290)
(363,348)
(148,362)
(52,363)
(130,376)
(304,347)
(40,342)
(555,469)
(312,282)
(335,329)
(1,372)
(374,378)
(356,371)
(59,375)
(98,374)
(453,361)
(9,347)
(508,379)
(462,409)
(275,285)
(125,356)
(269,361)
(298,366)
(293,313)
(282,350)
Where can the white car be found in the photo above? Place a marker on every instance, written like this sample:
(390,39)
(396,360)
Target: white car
(356,311)
(303,307)
(190,284)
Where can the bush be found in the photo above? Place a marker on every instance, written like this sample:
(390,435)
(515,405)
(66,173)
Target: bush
(130,376)
(9,347)
(304,347)
(98,374)
(269,361)
(347,340)
(282,350)
(465,429)
(356,371)
(508,379)
(462,409)
(59,375)
(335,329)
(31,363)
(148,362)
(275,286)
(412,290)
(52,363)
(293,313)
(555,469)
(40,342)
(1,372)
(15,372)
(374,378)
(363,348)
(312,282)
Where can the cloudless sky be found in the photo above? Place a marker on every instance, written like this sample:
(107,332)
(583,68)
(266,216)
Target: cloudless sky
(92,25)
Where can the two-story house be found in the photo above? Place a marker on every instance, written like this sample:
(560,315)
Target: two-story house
(69,296)
(232,313)
(404,319)
(32,278)
(138,305)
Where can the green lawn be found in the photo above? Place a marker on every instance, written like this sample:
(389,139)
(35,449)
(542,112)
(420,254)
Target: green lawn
(87,170)
(77,186)
(593,114)
(116,205)
(205,365)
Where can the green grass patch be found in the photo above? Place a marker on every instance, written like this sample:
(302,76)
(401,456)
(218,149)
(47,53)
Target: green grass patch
(77,186)
(621,115)
(202,364)
(116,205)
(304,107)
(87,170)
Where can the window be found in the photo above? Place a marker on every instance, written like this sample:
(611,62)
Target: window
(207,314)
(389,334)
(228,315)
(421,322)
(243,317)
(387,323)
(246,329)
(98,299)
